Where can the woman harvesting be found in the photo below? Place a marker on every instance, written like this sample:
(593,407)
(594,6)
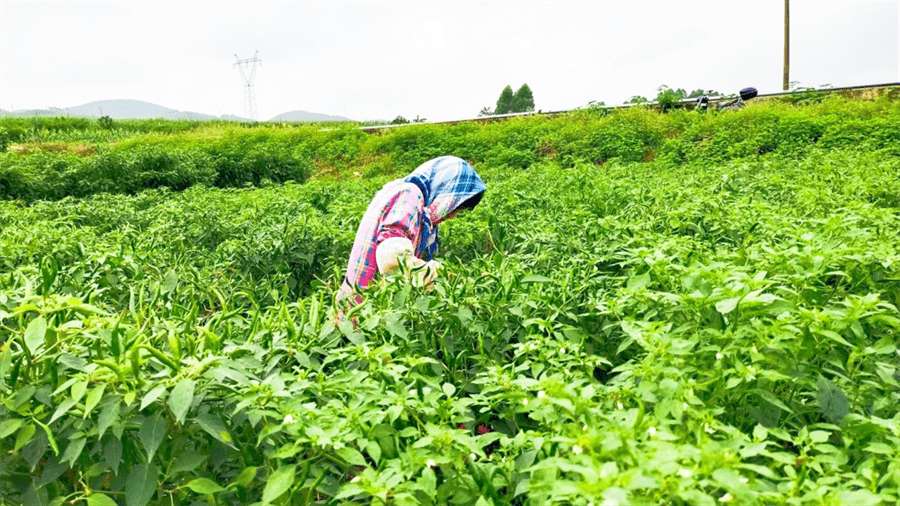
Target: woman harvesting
(401,222)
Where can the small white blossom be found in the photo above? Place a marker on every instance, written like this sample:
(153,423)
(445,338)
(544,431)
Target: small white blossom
(430,463)
(288,419)
(652,431)
(744,480)
(541,394)
(726,498)
(719,356)
(524,402)
(684,473)
(619,405)
(472,456)
(355,479)
(562,351)
(577,450)
(584,427)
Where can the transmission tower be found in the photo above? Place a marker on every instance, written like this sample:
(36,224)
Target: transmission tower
(248,76)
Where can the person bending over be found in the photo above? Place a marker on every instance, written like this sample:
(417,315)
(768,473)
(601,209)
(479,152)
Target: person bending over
(401,222)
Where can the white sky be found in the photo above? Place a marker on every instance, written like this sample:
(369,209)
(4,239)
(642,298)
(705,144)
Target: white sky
(436,60)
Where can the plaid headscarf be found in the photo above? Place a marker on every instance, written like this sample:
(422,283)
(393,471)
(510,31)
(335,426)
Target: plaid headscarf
(446,183)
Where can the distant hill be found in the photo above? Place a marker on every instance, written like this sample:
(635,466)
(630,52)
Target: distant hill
(137,109)
(303,116)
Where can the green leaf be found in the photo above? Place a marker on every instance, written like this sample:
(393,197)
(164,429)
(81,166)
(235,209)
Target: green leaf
(93,398)
(858,498)
(73,451)
(535,278)
(78,390)
(638,282)
(152,395)
(96,499)
(832,401)
(187,461)
(7,427)
(449,389)
(213,425)
(108,416)
(141,484)
(24,436)
(278,483)
(728,305)
(181,398)
(245,478)
(153,430)
(34,335)
(112,453)
(204,486)
(352,456)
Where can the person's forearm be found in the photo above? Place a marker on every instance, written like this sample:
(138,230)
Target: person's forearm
(389,252)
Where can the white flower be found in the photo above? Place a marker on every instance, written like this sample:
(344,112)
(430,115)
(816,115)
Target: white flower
(355,479)
(288,419)
(562,351)
(577,450)
(719,356)
(744,480)
(541,394)
(652,431)
(430,463)
(584,428)
(619,405)
(472,456)
(684,406)
(684,473)
(524,402)
(726,498)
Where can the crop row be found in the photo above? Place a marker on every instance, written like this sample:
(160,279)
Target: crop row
(234,156)
(678,330)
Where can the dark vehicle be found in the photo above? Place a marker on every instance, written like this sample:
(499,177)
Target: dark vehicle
(732,104)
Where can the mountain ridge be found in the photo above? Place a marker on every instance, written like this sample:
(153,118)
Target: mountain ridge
(139,109)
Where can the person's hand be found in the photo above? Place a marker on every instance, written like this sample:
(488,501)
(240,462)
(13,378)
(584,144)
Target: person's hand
(427,273)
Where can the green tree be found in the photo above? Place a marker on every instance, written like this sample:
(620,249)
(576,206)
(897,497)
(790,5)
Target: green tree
(523,100)
(506,101)
(485,111)
(399,120)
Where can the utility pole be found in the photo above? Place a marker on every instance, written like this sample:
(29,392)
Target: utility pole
(249,98)
(787,45)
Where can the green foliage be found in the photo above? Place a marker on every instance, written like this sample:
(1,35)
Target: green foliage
(520,101)
(709,325)
(106,123)
(523,100)
(233,156)
(506,101)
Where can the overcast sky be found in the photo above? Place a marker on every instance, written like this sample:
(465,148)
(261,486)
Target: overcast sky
(436,60)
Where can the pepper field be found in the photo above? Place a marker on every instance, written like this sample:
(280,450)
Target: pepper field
(645,309)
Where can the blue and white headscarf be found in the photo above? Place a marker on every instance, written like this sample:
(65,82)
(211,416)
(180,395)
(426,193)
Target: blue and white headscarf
(446,183)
